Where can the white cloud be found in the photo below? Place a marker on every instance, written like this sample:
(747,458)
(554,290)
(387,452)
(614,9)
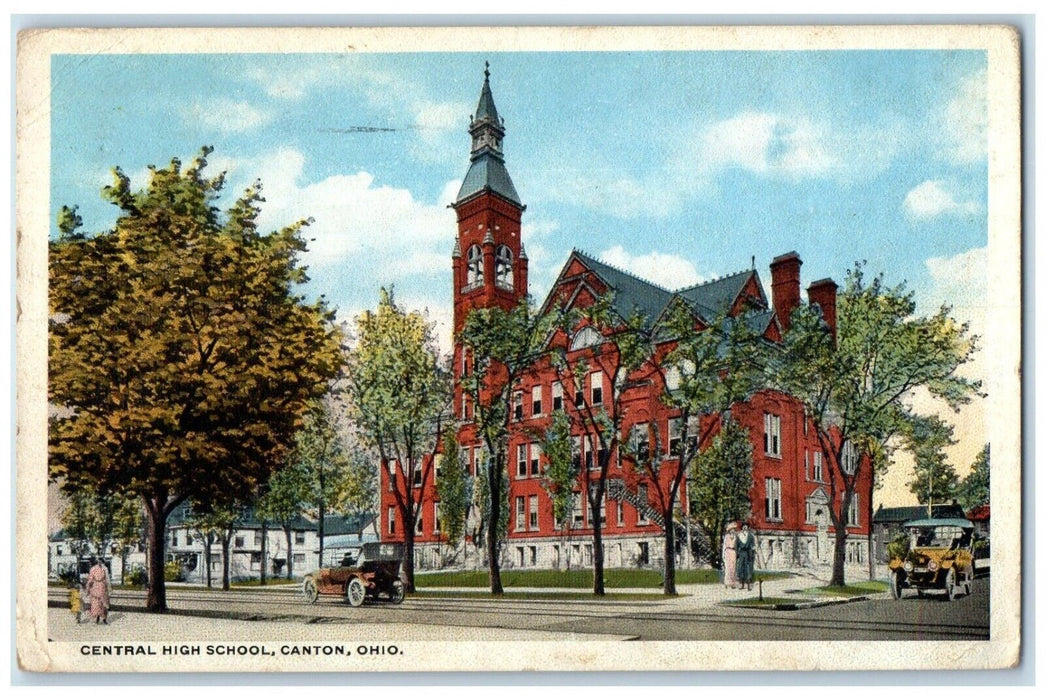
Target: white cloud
(961,282)
(225,115)
(767,144)
(933,198)
(286,84)
(354,219)
(964,131)
(669,271)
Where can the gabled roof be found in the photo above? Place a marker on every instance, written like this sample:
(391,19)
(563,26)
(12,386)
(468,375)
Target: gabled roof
(488,173)
(347,524)
(717,295)
(631,293)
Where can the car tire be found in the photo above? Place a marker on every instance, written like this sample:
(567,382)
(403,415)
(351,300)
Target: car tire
(949,584)
(968,585)
(355,592)
(309,591)
(896,585)
(398,592)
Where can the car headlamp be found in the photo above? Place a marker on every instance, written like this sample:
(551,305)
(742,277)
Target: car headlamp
(908,566)
(932,566)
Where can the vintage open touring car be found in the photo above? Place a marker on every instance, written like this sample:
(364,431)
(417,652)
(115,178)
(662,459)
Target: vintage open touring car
(370,572)
(937,554)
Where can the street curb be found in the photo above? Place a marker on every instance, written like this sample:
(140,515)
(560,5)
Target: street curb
(211,614)
(799,606)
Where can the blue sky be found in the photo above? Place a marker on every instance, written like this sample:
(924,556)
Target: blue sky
(679,166)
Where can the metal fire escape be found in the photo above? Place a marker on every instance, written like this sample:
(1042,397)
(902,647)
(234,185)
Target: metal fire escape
(617,490)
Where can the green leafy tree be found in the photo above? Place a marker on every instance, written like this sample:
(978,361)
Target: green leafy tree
(454,486)
(321,458)
(856,391)
(285,500)
(561,475)
(625,348)
(180,354)
(926,438)
(216,524)
(128,528)
(502,345)
(721,483)
(78,521)
(399,395)
(714,364)
(975,488)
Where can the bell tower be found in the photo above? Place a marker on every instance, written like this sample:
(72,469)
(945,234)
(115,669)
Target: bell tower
(489,260)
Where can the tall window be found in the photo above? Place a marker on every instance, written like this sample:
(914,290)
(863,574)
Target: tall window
(575,452)
(535,458)
(772,434)
(644,502)
(675,436)
(641,442)
(535,401)
(853,513)
(672,378)
(521,460)
(418,472)
(419,522)
(579,393)
(474,274)
(818,466)
(503,267)
(557,396)
(521,513)
(773,499)
(590,463)
(392,520)
(577,515)
(850,457)
(533,503)
(464,457)
(517,405)
(620,513)
(597,388)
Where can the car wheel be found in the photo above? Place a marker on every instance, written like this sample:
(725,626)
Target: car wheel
(398,592)
(355,592)
(949,584)
(896,585)
(968,586)
(308,591)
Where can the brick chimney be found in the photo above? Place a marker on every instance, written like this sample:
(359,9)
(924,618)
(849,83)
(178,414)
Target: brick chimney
(784,275)
(822,293)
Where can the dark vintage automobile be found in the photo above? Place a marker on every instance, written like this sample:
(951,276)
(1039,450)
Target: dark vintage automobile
(369,572)
(938,555)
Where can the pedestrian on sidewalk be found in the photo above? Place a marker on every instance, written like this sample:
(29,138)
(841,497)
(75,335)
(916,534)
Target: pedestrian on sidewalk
(76,600)
(99,588)
(730,556)
(745,548)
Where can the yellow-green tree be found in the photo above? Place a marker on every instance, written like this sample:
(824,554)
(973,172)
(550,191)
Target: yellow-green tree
(399,395)
(181,352)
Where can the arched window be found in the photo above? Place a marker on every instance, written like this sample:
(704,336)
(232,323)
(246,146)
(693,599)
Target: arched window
(503,267)
(587,337)
(474,275)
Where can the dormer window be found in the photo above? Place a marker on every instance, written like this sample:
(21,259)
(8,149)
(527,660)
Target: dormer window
(474,274)
(503,267)
(587,337)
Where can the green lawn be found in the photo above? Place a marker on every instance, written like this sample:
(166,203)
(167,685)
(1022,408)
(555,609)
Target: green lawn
(854,589)
(766,602)
(576,578)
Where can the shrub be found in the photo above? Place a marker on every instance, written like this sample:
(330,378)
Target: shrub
(172,571)
(138,576)
(897,548)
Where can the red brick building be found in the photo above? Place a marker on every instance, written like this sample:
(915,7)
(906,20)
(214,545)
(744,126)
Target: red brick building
(790,490)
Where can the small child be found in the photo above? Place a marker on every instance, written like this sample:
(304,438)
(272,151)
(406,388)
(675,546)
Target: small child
(76,601)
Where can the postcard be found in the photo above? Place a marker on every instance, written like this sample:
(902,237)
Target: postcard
(519,349)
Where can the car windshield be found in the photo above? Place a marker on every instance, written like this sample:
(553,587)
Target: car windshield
(939,536)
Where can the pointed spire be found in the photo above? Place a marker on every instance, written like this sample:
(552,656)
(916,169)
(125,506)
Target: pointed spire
(486,110)
(489,238)
(522,251)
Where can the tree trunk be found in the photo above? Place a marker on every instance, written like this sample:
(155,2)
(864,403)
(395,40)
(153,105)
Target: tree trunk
(839,558)
(226,541)
(123,565)
(871,543)
(156,597)
(323,516)
(290,552)
(264,549)
(208,543)
(670,554)
(598,584)
(408,556)
(493,563)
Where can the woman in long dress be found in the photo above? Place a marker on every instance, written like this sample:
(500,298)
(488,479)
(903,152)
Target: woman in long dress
(745,557)
(98,588)
(730,556)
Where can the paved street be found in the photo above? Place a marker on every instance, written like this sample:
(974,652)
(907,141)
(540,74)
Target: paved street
(251,614)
